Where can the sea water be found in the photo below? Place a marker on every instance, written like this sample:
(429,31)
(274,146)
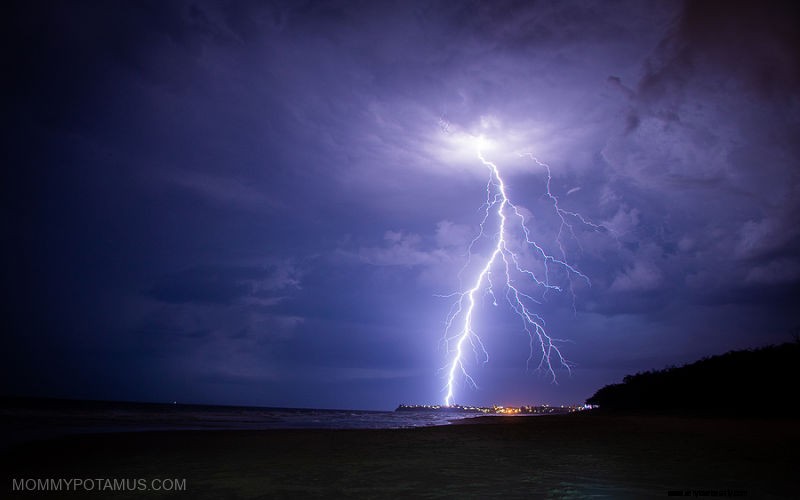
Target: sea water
(22,419)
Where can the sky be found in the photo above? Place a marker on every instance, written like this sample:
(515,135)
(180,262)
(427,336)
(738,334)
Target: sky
(268,203)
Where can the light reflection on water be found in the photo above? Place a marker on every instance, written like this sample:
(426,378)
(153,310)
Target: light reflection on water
(582,488)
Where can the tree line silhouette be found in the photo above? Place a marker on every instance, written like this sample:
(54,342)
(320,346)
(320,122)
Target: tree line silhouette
(757,381)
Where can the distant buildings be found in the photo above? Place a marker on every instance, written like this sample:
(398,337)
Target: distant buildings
(496,409)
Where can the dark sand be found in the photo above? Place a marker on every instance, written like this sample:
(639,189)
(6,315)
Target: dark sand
(567,456)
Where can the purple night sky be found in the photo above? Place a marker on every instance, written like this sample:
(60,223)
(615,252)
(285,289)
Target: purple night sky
(257,202)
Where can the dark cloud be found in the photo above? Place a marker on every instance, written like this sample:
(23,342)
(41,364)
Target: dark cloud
(754,44)
(224,285)
(199,286)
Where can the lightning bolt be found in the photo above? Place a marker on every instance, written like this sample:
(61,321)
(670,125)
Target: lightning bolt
(508,264)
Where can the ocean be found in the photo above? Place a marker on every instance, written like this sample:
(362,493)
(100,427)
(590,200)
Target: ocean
(23,419)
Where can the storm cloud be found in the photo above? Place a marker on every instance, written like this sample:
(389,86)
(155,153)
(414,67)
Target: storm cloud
(263,202)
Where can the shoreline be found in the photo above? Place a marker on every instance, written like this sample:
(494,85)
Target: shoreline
(551,455)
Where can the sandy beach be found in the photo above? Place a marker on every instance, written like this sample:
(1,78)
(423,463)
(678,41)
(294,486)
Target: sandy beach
(568,456)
